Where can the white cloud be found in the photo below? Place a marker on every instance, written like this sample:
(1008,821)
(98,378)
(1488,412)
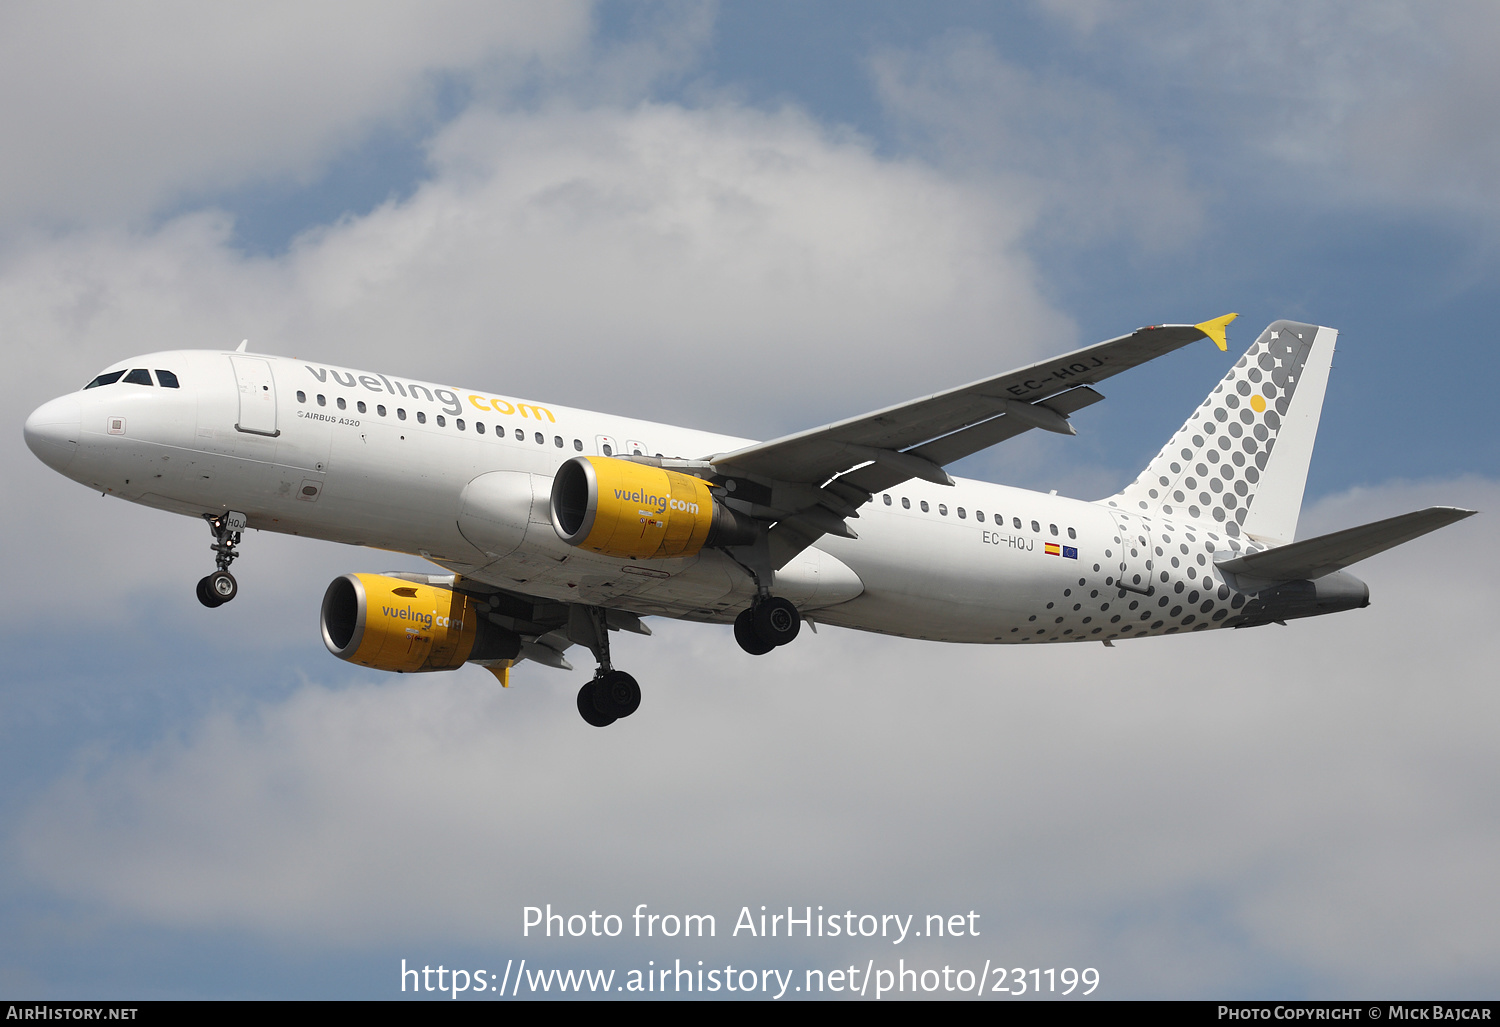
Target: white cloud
(115,109)
(1313,796)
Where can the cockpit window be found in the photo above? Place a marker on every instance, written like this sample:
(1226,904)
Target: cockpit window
(104,379)
(139,376)
(167,379)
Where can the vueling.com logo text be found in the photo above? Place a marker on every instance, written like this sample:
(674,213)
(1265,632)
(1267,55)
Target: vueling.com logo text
(661,504)
(430,393)
(427,620)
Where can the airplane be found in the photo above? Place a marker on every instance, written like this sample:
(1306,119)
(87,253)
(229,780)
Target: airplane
(558,526)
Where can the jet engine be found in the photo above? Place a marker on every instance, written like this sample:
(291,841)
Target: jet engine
(626,509)
(393,624)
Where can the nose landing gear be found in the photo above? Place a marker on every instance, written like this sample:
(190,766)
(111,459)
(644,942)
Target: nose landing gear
(219,587)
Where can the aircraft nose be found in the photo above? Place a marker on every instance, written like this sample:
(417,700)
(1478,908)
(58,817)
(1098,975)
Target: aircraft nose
(52,431)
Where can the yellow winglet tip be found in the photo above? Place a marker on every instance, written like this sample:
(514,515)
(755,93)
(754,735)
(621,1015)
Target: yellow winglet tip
(1215,330)
(502,672)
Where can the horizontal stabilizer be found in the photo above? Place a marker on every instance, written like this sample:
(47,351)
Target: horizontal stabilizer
(1315,557)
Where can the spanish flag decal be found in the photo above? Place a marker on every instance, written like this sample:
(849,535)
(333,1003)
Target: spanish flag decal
(1053,549)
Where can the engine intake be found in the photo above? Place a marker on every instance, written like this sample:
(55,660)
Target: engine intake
(397,625)
(625,509)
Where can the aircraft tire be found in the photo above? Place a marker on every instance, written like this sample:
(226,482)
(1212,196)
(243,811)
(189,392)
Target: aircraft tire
(776,620)
(206,595)
(588,711)
(616,694)
(746,635)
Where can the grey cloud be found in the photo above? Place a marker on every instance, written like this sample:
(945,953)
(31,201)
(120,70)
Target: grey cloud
(115,110)
(1386,102)
(1092,167)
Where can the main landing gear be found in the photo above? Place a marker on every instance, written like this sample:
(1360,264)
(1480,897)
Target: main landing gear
(612,694)
(219,587)
(768,623)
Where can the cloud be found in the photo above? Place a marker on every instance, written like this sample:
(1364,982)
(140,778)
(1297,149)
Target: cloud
(1094,167)
(1381,102)
(1313,797)
(117,110)
(686,249)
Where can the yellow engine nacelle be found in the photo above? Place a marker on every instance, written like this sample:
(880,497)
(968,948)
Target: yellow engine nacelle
(625,509)
(393,624)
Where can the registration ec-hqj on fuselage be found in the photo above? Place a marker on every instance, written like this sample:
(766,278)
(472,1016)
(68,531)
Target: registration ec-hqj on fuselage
(557,526)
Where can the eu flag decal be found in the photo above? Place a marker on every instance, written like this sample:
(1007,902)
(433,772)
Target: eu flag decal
(1070,553)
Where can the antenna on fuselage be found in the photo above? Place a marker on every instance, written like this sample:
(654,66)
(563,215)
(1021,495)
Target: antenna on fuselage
(241,347)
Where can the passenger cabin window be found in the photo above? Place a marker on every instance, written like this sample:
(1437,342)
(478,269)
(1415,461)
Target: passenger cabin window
(380,409)
(1036,527)
(557,441)
(924,506)
(943,509)
(458,422)
(321,401)
(521,437)
(358,405)
(139,376)
(608,449)
(104,379)
(166,379)
(421,416)
(979,515)
(541,440)
(479,427)
(1053,527)
(1017,522)
(442,421)
(887,499)
(578,445)
(342,404)
(961,514)
(905,503)
(401,413)
(1072,533)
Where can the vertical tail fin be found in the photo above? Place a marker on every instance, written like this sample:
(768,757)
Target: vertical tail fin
(1240,462)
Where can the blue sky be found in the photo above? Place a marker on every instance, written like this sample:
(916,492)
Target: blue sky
(816,209)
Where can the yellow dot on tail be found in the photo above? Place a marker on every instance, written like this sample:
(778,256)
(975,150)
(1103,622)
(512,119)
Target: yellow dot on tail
(1258,404)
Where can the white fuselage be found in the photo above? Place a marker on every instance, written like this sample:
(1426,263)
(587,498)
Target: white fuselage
(308,449)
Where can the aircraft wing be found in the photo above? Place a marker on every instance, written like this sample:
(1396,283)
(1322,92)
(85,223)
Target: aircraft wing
(814,479)
(1030,397)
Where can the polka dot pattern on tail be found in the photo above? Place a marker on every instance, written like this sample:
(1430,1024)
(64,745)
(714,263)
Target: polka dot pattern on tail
(1208,472)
